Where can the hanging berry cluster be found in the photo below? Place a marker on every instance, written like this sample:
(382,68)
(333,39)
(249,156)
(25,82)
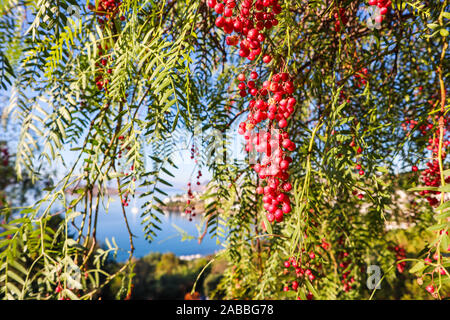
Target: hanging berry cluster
(431,288)
(344,266)
(400,254)
(193,152)
(306,268)
(431,176)
(127,171)
(340,17)
(358,166)
(272,144)
(102,69)
(123,148)
(196,153)
(108,9)
(411,124)
(360,77)
(4,156)
(248,20)
(384,7)
(199,174)
(272,102)
(190,209)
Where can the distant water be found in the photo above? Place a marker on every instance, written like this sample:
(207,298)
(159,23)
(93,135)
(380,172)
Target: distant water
(111,225)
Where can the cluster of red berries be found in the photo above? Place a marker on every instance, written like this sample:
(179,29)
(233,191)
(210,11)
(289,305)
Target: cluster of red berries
(409,125)
(102,69)
(273,102)
(325,245)
(194,153)
(436,257)
(431,288)
(432,175)
(59,290)
(307,271)
(346,282)
(344,263)
(123,149)
(400,254)
(125,199)
(340,16)
(359,150)
(307,267)
(358,167)
(278,107)
(190,210)
(358,194)
(248,20)
(4,156)
(342,95)
(199,174)
(383,5)
(360,77)
(107,9)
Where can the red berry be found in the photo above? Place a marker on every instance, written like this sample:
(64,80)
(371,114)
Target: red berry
(267,58)
(212,3)
(241,77)
(219,8)
(220,22)
(282,123)
(287,187)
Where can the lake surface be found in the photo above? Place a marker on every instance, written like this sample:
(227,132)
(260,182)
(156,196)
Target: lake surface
(169,239)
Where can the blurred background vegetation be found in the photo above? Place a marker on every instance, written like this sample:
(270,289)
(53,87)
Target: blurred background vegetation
(165,276)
